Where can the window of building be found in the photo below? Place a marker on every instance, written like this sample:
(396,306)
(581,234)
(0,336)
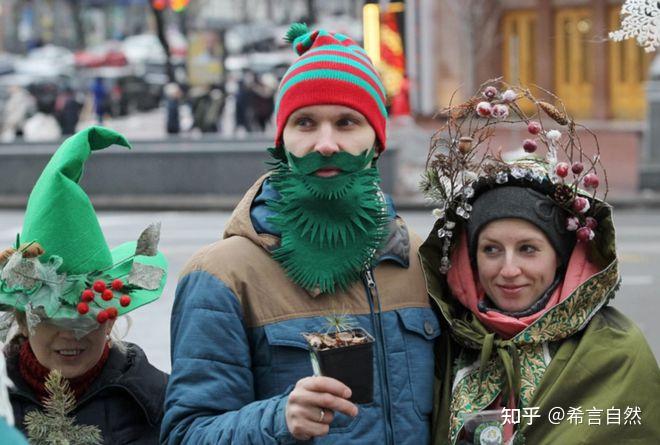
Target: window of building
(573,31)
(628,71)
(518,58)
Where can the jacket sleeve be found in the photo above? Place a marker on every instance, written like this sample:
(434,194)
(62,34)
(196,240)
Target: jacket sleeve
(210,396)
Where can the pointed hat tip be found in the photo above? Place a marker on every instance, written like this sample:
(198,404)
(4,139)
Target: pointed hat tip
(103,137)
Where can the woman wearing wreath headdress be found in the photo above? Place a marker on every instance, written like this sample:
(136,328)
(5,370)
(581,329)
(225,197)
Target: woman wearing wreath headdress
(521,264)
(62,289)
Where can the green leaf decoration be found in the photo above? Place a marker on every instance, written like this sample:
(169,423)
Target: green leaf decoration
(147,244)
(145,277)
(296,30)
(54,426)
(20,273)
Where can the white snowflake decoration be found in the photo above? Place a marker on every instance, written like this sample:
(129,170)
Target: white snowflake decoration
(640,19)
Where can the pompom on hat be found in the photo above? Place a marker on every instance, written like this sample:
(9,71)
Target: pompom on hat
(331,70)
(61,268)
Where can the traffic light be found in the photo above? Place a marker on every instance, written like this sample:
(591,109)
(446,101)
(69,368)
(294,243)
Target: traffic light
(179,5)
(159,5)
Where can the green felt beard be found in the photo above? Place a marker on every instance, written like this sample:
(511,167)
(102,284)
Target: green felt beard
(331,227)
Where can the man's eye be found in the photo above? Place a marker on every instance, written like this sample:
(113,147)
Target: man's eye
(345,122)
(304,122)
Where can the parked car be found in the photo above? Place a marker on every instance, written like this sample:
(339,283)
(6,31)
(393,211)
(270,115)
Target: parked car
(48,60)
(109,53)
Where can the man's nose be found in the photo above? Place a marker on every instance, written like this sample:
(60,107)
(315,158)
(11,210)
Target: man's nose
(326,142)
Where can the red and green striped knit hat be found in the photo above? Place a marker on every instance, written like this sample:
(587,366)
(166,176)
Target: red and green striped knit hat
(331,70)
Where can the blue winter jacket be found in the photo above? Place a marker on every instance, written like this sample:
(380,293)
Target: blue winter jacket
(237,348)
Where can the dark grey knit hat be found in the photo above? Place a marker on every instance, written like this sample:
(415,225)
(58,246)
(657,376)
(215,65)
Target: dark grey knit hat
(524,203)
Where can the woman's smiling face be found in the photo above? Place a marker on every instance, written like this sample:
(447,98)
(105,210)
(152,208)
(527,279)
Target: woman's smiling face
(59,349)
(515,262)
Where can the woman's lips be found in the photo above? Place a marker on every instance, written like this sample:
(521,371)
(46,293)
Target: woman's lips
(327,172)
(512,291)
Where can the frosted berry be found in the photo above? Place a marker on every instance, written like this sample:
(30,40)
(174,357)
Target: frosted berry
(572,224)
(591,181)
(102,317)
(83,308)
(534,128)
(87,295)
(591,222)
(500,111)
(509,96)
(99,286)
(529,145)
(107,295)
(562,169)
(112,312)
(484,109)
(490,92)
(581,205)
(125,300)
(584,234)
(577,167)
(117,284)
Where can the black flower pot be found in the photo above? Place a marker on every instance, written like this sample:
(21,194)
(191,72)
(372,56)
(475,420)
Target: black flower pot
(351,365)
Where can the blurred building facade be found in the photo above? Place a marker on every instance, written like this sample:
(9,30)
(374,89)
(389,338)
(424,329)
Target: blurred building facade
(75,24)
(560,45)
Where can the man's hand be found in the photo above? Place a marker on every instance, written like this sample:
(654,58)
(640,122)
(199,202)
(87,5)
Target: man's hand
(311,405)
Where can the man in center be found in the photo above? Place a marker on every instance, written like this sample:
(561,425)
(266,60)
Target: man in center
(314,238)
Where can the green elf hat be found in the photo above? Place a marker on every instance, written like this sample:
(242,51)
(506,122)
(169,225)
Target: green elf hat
(61,269)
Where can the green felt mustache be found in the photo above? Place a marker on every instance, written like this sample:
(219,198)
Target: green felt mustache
(346,162)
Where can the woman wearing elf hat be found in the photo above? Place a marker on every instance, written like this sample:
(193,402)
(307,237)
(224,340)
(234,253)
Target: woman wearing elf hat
(65,288)
(522,264)
(313,239)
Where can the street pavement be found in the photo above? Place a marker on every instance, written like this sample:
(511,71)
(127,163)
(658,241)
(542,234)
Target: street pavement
(638,242)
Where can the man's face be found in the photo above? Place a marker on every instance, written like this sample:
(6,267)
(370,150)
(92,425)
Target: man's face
(327,129)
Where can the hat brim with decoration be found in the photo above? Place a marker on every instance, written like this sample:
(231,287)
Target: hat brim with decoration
(462,165)
(60,268)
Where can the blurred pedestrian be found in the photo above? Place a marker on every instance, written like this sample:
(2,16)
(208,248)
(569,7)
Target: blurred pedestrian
(67,111)
(172,102)
(42,126)
(100,95)
(18,107)
(262,99)
(243,113)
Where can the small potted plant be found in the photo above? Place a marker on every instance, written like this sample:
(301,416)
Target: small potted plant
(344,352)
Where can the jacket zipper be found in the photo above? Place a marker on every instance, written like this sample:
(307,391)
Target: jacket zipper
(376,319)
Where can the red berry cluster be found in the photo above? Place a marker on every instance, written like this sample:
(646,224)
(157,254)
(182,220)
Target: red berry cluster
(107,293)
(584,231)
